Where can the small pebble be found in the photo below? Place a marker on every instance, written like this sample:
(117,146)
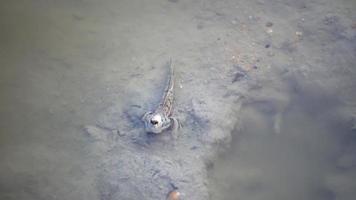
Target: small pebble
(173,195)
(299,34)
(269,31)
(267,46)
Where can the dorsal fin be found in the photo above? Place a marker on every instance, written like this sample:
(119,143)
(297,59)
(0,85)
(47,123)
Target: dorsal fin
(167,99)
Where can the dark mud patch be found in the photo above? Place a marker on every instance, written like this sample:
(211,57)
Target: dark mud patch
(311,154)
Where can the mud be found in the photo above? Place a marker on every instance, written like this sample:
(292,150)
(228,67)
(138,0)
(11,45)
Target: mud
(76,77)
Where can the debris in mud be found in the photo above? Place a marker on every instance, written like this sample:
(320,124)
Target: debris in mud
(267,46)
(136,106)
(244,62)
(239,73)
(269,24)
(238,76)
(329,20)
(180,85)
(299,35)
(269,31)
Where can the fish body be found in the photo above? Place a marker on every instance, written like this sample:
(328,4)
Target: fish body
(161,119)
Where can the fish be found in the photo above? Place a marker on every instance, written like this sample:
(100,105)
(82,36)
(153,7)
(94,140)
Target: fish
(161,119)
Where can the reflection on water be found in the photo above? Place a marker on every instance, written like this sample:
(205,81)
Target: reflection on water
(307,150)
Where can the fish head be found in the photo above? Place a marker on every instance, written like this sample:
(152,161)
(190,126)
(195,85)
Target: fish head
(156,122)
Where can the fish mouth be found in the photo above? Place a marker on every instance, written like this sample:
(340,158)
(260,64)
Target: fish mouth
(153,122)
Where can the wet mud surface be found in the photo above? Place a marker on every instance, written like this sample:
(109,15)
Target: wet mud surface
(77,76)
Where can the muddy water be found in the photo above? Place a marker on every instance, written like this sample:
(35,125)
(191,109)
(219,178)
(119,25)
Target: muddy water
(304,150)
(76,76)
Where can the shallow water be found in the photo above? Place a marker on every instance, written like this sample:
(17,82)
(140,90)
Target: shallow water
(307,150)
(267,84)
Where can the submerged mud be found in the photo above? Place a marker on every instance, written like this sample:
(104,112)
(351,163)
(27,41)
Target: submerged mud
(270,76)
(304,150)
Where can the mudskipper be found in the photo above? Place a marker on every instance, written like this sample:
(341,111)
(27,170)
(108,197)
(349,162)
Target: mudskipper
(161,119)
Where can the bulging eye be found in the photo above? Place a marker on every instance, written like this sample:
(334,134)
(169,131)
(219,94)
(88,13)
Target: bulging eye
(154,122)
